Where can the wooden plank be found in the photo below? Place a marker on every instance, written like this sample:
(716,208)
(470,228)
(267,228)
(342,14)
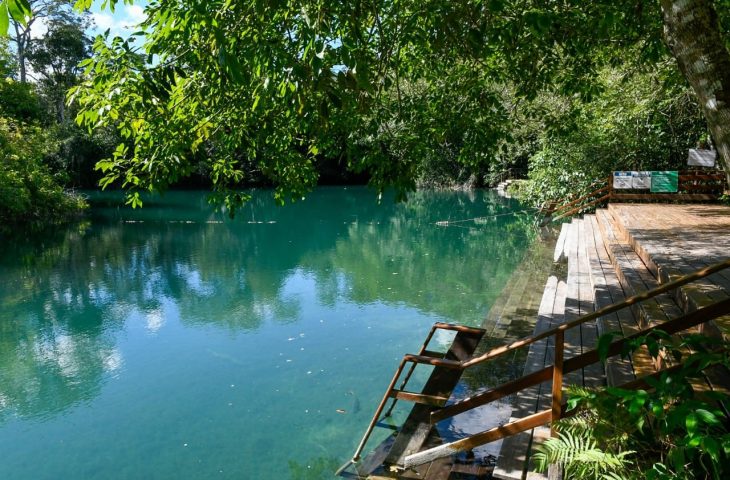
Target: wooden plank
(434,400)
(572,304)
(641,361)
(469,443)
(676,197)
(557,390)
(593,375)
(608,291)
(559,253)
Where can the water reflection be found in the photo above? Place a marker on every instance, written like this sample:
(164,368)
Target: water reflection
(67,299)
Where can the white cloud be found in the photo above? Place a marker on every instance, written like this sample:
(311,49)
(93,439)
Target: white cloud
(121,23)
(39,28)
(103,21)
(135,13)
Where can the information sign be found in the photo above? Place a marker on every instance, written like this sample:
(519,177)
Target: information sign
(664,182)
(701,158)
(621,180)
(641,180)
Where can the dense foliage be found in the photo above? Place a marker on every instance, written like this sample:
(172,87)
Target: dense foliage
(671,430)
(403,93)
(640,120)
(407,91)
(41,152)
(30,194)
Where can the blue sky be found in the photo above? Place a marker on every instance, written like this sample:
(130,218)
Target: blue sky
(122,22)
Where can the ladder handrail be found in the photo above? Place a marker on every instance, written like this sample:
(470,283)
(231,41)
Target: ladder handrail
(436,326)
(560,367)
(558,332)
(391,386)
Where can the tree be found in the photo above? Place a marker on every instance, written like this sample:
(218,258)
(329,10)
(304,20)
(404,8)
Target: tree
(692,32)
(257,85)
(23,14)
(55,58)
(7,60)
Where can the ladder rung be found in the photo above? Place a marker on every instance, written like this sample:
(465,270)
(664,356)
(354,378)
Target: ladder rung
(458,328)
(431,353)
(387,425)
(433,400)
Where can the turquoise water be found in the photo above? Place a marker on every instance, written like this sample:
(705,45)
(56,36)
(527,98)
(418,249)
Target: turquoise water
(172,342)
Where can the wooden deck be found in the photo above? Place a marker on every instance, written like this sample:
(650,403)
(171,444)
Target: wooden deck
(599,260)
(618,252)
(673,240)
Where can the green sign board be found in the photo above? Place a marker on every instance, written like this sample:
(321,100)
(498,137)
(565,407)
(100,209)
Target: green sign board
(664,182)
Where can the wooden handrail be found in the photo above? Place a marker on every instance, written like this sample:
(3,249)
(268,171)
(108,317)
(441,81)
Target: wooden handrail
(584,206)
(687,181)
(580,199)
(559,368)
(575,363)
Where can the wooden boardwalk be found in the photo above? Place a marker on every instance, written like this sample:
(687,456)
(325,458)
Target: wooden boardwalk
(673,240)
(599,260)
(618,252)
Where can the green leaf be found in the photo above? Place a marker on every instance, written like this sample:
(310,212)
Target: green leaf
(707,416)
(4,19)
(691,423)
(712,447)
(19,10)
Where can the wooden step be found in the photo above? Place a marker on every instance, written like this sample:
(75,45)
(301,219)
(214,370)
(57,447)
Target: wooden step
(667,261)
(635,278)
(607,290)
(641,361)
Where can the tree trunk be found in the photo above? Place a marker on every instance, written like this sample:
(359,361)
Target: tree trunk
(692,32)
(61,108)
(20,39)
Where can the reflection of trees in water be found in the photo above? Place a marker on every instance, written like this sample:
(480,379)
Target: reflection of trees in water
(69,295)
(453,271)
(55,340)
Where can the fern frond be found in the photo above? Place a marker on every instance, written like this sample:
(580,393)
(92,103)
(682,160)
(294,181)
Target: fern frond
(579,455)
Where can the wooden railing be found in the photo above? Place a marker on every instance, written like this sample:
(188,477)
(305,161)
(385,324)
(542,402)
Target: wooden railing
(692,186)
(555,372)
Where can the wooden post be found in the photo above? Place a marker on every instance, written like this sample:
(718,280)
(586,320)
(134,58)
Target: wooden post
(610,188)
(557,380)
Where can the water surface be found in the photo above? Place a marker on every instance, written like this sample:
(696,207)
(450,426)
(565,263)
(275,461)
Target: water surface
(172,342)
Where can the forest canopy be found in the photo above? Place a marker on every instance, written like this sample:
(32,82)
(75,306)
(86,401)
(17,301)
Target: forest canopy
(409,93)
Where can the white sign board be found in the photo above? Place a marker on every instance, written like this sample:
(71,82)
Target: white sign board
(622,180)
(701,158)
(641,180)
